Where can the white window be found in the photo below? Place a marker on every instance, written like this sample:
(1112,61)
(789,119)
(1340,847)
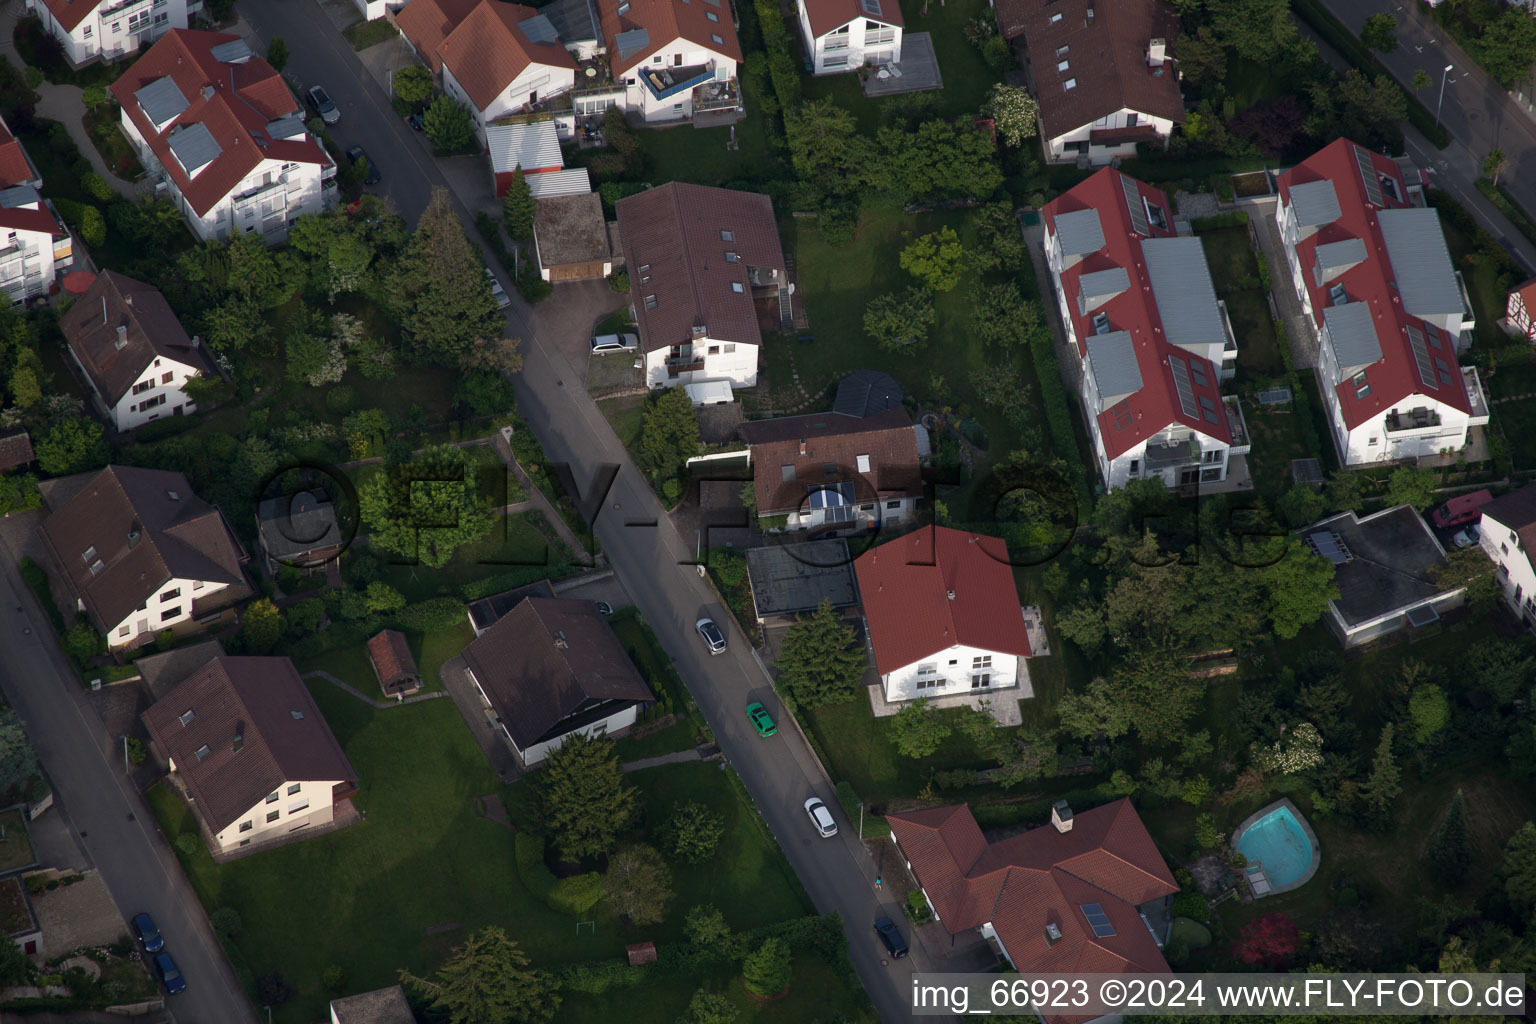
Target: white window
(123,631)
(711,15)
(737,286)
(273,816)
(719,41)
(272,797)
(301,805)
(981,680)
(295,788)
(1062,65)
(981,661)
(88,31)
(245,826)
(838,61)
(1055,17)
(1070,83)
(863,463)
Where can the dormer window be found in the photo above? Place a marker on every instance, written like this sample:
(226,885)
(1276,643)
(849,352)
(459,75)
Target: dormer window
(650,302)
(89,554)
(1070,83)
(1101,323)
(203,751)
(186,716)
(738,287)
(733,257)
(1061,51)
(727,236)
(1062,65)
(1055,17)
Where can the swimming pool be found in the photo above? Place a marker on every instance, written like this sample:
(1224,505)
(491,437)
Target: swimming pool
(1279,839)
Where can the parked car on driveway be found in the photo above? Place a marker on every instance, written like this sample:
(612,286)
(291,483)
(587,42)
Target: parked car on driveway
(320,102)
(357,155)
(169,973)
(1468,537)
(497,291)
(1460,510)
(606,343)
(712,635)
(821,817)
(891,938)
(149,935)
(416,120)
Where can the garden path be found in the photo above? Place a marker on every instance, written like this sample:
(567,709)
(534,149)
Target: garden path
(62,103)
(360,695)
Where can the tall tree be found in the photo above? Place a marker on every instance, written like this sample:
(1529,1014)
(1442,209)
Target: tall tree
(261,626)
(17,761)
(413,84)
(448,124)
(1411,485)
(705,926)
(826,148)
(583,799)
(1384,783)
(820,662)
(277,53)
(1097,709)
(1507,47)
(1494,164)
(1000,316)
(669,433)
(938,161)
(519,207)
(424,509)
(638,885)
(1449,853)
(1429,710)
(487,981)
(1257,31)
(691,832)
(919,729)
(1380,33)
(706,1008)
(934,259)
(767,969)
(73,446)
(900,320)
(1517,868)
(1421,79)
(441,292)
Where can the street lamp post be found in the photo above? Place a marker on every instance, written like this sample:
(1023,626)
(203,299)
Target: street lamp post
(1438,106)
(861,819)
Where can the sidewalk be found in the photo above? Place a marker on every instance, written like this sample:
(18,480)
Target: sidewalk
(62,103)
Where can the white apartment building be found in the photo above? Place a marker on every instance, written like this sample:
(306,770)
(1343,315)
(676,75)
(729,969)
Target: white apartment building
(845,35)
(109,29)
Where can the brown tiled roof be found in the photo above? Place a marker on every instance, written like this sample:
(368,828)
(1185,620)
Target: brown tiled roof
(151,330)
(381,1006)
(1041,877)
(426,23)
(672,234)
(143,538)
(1107,57)
(547,660)
(665,21)
(826,15)
(392,661)
(809,444)
(570,229)
(15,168)
(15,449)
(262,731)
(234,101)
(489,49)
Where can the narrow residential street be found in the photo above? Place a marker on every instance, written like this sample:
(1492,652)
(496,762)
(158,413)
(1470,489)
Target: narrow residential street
(116,828)
(651,560)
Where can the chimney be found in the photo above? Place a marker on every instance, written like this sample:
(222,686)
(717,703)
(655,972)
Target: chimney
(1052,933)
(128,299)
(1157,52)
(197,341)
(802,446)
(699,331)
(1088,18)
(1061,816)
(122,338)
(950,595)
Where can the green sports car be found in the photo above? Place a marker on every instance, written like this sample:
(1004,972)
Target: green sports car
(761,720)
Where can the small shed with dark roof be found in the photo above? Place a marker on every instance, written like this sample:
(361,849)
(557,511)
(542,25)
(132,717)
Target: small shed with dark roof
(381,1006)
(15,450)
(301,530)
(393,664)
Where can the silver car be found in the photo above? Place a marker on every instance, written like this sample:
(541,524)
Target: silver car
(497,291)
(821,817)
(603,344)
(322,104)
(712,635)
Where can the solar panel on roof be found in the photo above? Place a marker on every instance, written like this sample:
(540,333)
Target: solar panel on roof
(1368,177)
(1133,205)
(1421,356)
(1275,396)
(1330,546)
(1097,920)
(1181,382)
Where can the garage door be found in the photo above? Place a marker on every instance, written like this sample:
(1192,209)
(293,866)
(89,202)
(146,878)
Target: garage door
(576,272)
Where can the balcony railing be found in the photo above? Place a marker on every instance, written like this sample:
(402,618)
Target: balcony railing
(1475,395)
(1237,423)
(674,368)
(1416,419)
(1167,454)
(716,96)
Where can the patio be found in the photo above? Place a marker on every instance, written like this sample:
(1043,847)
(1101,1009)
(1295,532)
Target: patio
(917,71)
(1002,704)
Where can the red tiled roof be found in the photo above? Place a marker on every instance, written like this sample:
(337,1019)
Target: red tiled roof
(664,22)
(1041,877)
(672,234)
(392,661)
(283,737)
(70,13)
(489,49)
(15,168)
(906,584)
(1106,57)
(1135,311)
(1395,376)
(826,15)
(426,23)
(235,102)
(809,443)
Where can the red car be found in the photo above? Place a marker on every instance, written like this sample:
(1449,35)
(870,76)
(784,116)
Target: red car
(1464,508)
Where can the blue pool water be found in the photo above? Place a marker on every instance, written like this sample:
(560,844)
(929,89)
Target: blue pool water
(1281,844)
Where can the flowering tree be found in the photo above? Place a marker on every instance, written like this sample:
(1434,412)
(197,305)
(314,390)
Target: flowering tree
(1270,941)
(1012,109)
(1299,751)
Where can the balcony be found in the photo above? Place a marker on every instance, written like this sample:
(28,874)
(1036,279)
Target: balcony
(1468,318)
(677,367)
(1163,455)
(1237,424)
(1475,396)
(1412,421)
(668,82)
(716,96)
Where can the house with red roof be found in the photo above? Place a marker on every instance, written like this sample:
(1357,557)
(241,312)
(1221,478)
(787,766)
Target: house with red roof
(1518,310)
(1388,311)
(495,58)
(845,35)
(105,30)
(943,616)
(37,246)
(1152,340)
(1104,81)
(699,258)
(677,59)
(1087,894)
(222,131)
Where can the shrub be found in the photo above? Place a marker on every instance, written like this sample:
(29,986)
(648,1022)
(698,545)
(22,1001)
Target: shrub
(916,907)
(96,186)
(334,977)
(619,282)
(426,616)
(1193,906)
(189,843)
(137,753)
(341,400)
(226,922)
(767,970)
(528,852)
(82,643)
(93,227)
(577,894)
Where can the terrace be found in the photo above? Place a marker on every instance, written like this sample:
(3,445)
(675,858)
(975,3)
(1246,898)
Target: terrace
(1475,396)
(1412,420)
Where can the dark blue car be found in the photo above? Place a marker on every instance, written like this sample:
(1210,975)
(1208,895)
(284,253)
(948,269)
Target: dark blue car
(170,974)
(891,938)
(148,934)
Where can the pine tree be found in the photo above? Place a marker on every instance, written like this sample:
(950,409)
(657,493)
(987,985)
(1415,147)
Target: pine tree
(441,292)
(519,207)
(1448,853)
(1384,783)
(584,800)
(820,663)
(766,971)
(487,979)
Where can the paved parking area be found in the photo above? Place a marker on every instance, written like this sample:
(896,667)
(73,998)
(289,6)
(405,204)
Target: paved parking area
(456,681)
(567,317)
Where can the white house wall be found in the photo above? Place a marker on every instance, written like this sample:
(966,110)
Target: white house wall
(543,79)
(738,365)
(169,605)
(107,35)
(30,270)
(612,724)
(160,398)
(851,46)
(1516,577)
(1057,148)
(638,96)
(952,669)
(294,805)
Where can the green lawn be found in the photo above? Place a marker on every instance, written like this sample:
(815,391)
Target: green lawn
(363,34)
(351,664)
(1235,272)
(15,848)
(700,156)
(624,415)
(422,858)
(861,751)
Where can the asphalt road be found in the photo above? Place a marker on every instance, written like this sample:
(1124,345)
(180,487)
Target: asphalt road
(115,826)
(652,562)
